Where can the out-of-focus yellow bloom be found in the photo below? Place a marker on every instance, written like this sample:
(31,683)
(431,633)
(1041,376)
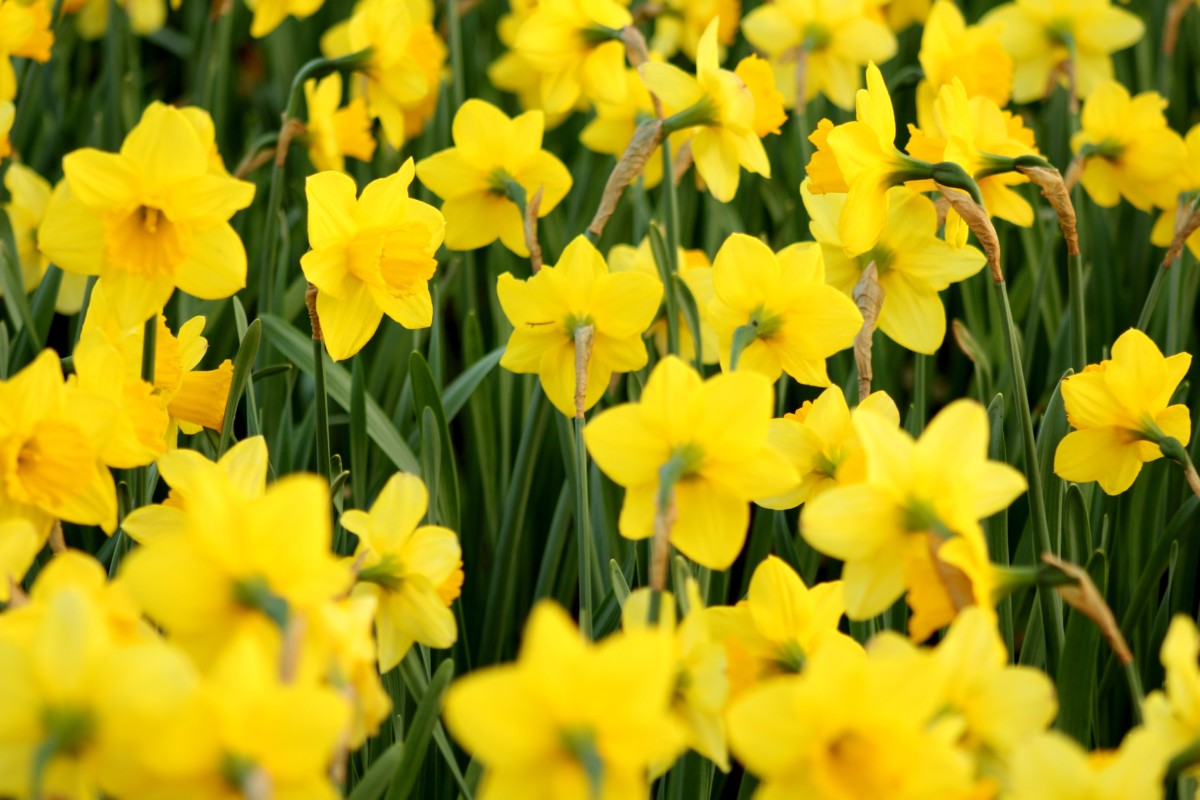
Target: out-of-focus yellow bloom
(713,435)
(701,684)
(268,14)
(860,159)
(150,218)
(333,132)
(779,626)
(145,16)
(1040,35)
(194,398)
(1120,409)
(1189,172)
(822,445)
(569,719)
(29,196)
(903,14)
(798,320)
(237,561)
(945,576)
(8,112)
(1000,706)
(950,48)
(719,102)
(401,76)
(941,484)
(78,702)
(682,22)
(52,438)
(370,256)
(852,725)
(911,262)
(414,570)
(759,78)
(25,32)
(696,273)
(512,72)
(1052,766)
(611,130)
(826,41)
(969,131)
(1128,149)
(547,309)
(490,150)
(573,44)
(1173,713)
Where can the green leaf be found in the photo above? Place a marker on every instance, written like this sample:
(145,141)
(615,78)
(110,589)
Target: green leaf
(427,396)
(243,363)
(1077,668)
(375,782)
(1077,533)
(296,347)
(359,479)
(461,388)
(420,727)
(13,283)
(1051,431)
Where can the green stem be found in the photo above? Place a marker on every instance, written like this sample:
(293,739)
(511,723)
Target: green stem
(669,474)
(1051,611)
(1078,318)
(454,23)
(583,526)
(113,49)
(1152,298)
(1134,679)
(149,346)
(743,336)
(671,226)
(323,456)
(920,408)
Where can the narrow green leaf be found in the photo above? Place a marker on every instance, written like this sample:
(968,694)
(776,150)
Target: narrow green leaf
(420,727)
(995,527)
(359,480)
(375,782)
(620,586)
(1077,533)
(1050,432)
(461,388)
(13,283)
(243,364)
(1077,669)
(297,348)
(427,395)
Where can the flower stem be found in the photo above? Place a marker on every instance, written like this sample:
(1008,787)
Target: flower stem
(669,474)
(1051,610)
(920,393)
(323,454)
(583,524)
(1078,318)
(671,225)
(1152,298)
(113,67)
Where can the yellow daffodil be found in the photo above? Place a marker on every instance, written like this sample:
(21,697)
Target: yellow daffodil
(759,78)
(26,31)
(852,725)
(1120,409)
(370,256)
(1000,705)
(822,445)
(903,14)
(490,151)
(860,158)
(682,23)
(779,626)
(1164,227)
(237,561)
(827,41)
(569,719)
(719,102)
(145,16)
(401,76)
(696,273)
(1052,766)
(950,48)
(414,570)
(611,130)
(335,133)
(29,196)
(150,218)
(797,320)
(911,263)
(547,309)
(942,483)
(51,440)
(573,44)
(1041,35)
(946,576)
(1173,713)
(8,113)
(1128,149)
(701,684)
(713,435)
(512,72)
(194,398)
(975,133)
(78,702)
(268,14)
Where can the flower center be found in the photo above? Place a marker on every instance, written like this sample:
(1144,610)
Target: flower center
(394,260)
(45,469)
(765,323)
(790,657)
(145,241)
(884,259)
(68,730)
(816,37)
(387,574)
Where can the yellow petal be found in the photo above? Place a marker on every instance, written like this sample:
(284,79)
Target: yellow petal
(349,322)
(216,267)
(1106,455)
(331,209)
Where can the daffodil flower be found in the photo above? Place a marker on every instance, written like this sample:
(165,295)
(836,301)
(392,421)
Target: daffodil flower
(569,719)
(268,14)
(835,39)
(26,31)
(713,435)
(150,218)
(1173,712)
(911,262)
(370,256)
(1121,409)
(29,196)
(794,319)
(1053,765)
(549,308)
(717,102)
(145,16)
(1164,227)
(334,133)
(413,570)
(491,153)
(974,54)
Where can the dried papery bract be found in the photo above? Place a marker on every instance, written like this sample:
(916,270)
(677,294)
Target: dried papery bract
(980,223)
(1175,14)
(868,296)
(314,319)
(1184,228)
(583,356)
(645,141)
(531,239)
(1083,596)
(1057,192)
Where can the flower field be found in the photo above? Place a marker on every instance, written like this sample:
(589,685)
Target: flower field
(554,399)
